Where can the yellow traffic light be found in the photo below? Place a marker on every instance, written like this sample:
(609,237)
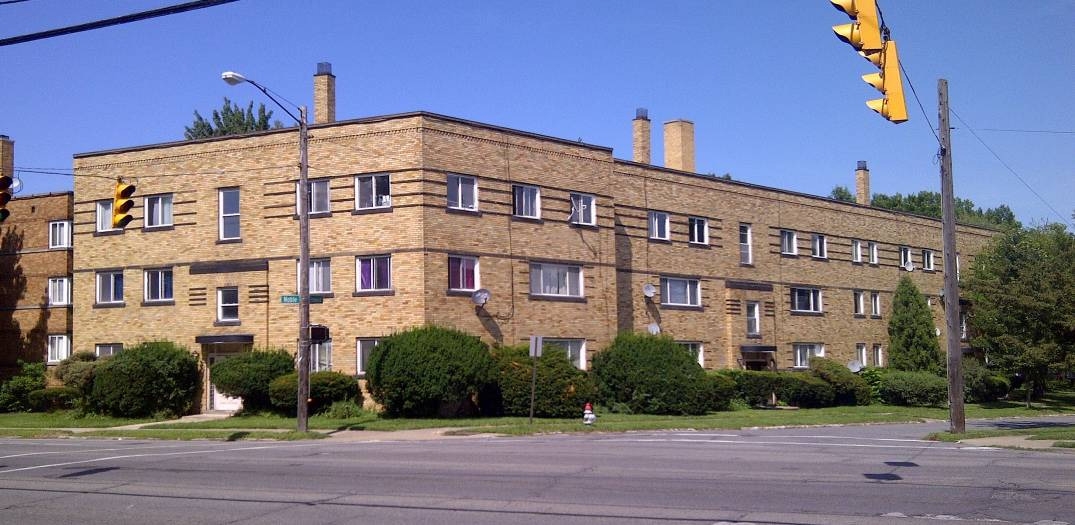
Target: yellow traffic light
(889,82)
(5,195)
(122,204)
(864,33)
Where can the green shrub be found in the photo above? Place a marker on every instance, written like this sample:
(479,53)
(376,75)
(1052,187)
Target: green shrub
(980,385)
(651,375)
(432,371)
(77,372)
(344,410)
(721,391)
(848,388)
(872,376)
(52,399)
(15,393)
(913,389)
(326,388)
(805,390)
(248,375)
(155,378)
(561,389)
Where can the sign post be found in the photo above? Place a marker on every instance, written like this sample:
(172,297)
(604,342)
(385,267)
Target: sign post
(535,353)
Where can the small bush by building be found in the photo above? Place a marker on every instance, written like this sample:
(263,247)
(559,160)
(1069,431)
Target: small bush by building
(15,393)
(249,374)
(648,374)
(561,389)
(981,385)
(326,388)
(77,372)
(52,399)
(721,391)
(912,388)
(154,378)
(848,388)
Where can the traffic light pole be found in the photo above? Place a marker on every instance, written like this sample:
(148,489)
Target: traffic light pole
(956,416)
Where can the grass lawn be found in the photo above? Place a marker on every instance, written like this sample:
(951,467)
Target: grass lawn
(63,419)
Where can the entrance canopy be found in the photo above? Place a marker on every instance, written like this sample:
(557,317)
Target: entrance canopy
(219,339)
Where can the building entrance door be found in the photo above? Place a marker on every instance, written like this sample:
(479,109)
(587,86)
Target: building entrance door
(217,399)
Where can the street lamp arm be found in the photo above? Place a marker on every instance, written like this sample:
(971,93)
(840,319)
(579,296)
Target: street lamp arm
(234,78)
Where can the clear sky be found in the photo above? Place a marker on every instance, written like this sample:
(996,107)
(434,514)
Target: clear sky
(775,97)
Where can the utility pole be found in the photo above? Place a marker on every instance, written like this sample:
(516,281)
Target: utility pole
(957,419)
(302,413)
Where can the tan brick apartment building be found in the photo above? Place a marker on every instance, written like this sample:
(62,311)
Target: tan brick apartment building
(35,275)
(411,213)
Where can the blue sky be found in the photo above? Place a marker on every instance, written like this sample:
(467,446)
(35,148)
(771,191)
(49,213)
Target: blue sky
(776,99)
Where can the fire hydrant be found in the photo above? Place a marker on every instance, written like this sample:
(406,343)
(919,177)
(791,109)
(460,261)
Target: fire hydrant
(588,417)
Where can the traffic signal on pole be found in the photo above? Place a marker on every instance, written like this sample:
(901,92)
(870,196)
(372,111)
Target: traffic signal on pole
(864,32)
(5,195)
(122,204)
(889,82)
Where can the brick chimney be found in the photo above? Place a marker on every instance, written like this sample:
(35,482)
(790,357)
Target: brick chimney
(640,135)
(679,145)
(7,156)
(324,94)
(862,184)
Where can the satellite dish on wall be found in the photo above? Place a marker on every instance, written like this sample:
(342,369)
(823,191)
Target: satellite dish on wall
(938,331)
(654,328)
(909,266)
(480,296)
(854,366)
(16,185)
(649,290)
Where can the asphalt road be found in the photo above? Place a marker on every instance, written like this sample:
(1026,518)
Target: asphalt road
(837,475)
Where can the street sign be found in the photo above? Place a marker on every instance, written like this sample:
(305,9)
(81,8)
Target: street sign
(535,345)
(294,299)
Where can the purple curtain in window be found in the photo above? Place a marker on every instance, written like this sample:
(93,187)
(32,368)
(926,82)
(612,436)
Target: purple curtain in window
(367,274)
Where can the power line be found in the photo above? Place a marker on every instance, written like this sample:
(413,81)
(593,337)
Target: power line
(119,20)
(4,2)
(1048,131)
(919,101)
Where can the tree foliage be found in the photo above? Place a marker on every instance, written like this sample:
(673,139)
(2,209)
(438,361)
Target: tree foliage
(230,119)
(928,203)
(912,336)
(648,374)
(1022,292)
(841,193)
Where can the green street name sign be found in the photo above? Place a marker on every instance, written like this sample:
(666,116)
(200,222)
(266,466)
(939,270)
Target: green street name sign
(294,299)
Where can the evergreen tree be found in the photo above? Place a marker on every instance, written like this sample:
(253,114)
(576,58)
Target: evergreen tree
(230,120)
(912,338)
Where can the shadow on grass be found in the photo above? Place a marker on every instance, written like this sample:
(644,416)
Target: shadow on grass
(356,426)
(1018,425)
(236,436)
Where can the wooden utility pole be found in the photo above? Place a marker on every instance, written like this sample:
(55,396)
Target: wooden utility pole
(957,419)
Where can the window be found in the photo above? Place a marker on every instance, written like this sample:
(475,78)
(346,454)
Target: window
(805,300)
(860,353)
(318,201)
(107,349)
(158,210)
(59,291)
(229,213)
(858,300)
(363,350)
(227,304)
(872,248)
(788,243)
(658,225)
(574,348)
(905,257)
(526,201)
(878,356)
(804,351)
(963,326)
(374,273)
(583,210)
(320,276)
(856,250)
(321,356)
(927,260)
(109,287)
(753,318)
(695,348)
(372,191)
(875,304)
(555,279)
(462,192)
(104,216)
(59,348)
(60,234)
(699,230)
(158,285)
(746,245)
(680,292)
(462,273)
(819,246)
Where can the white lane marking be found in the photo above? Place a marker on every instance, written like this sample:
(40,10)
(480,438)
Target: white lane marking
(85,451)
(742,442)
(127,456)
(816,437)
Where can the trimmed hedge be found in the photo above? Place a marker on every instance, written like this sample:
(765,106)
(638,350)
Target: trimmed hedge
(561,389)
(326,388)
(432,372)
(799,389)
(155,378)
(647,374)
(52,399)
(721,391)
(848,388)
(249,374)
(912,388)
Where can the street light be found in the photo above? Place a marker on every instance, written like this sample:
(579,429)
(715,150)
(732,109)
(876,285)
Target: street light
(303,394)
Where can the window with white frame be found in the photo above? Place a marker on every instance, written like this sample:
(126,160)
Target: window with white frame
(110,287)
(158,210)
(374,273)
(373,191)
(574,348)
(695,348)
(789,244)
(463,273)
(59,291)
(753,318)
(963,335)
(677,291)
(107,349)
(318,199)
(746,244)
(363,348)
(561,280)
(104,216)
(875,304)
(59,234)
(229,213)
(320,276)
(878,356)
(658,225)
(583,209)
(871,247)
(858,301)
(698,228)
(59,348)
(819,246)
(804,351)
(227,304)
(526,201)
(806,300)
(321,356)
(860,353)
(462,192)
(927,260)
(158,285)
(856,250)
(905,257)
